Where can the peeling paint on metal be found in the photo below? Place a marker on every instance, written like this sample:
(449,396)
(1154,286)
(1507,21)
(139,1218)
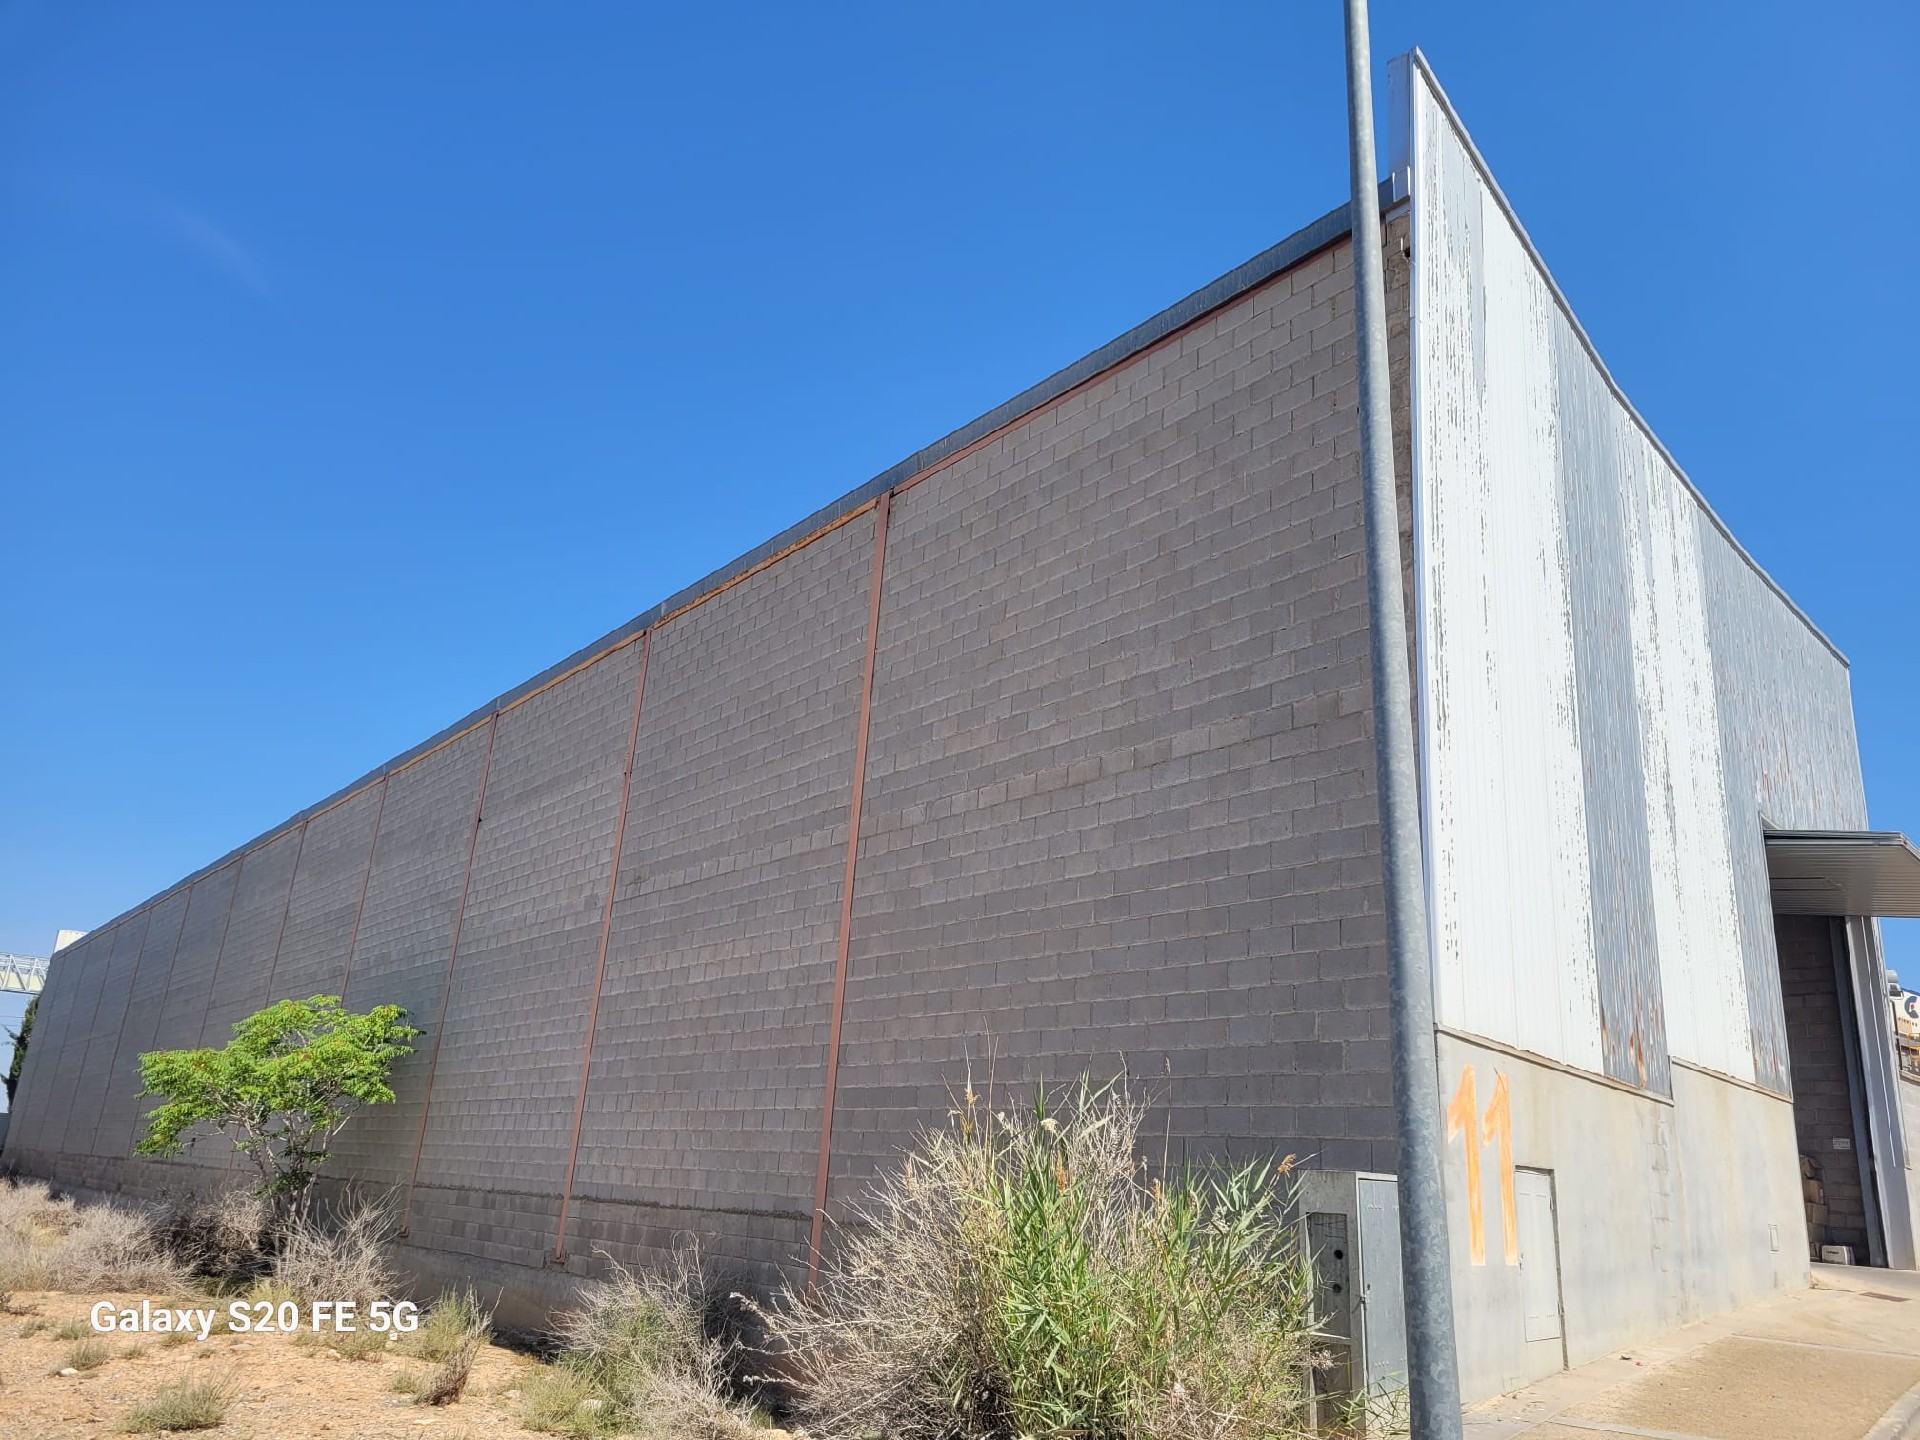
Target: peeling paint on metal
(1592,436)
(1701,979)
(1785,715)
(1509,863)
(1614,696)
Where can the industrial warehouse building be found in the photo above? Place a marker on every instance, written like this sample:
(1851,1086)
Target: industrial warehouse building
(1055,741)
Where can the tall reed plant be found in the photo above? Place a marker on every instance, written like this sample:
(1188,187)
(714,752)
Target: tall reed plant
(1026,1273)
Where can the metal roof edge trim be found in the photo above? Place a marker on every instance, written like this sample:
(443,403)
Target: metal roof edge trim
(1275,260)
(1890,839)
(1419,59)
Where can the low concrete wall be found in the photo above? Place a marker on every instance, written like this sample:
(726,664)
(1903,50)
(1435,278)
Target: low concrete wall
(1665,1211)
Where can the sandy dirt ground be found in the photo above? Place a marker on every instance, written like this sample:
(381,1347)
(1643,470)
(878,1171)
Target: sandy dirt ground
(1840,1361)
(282,1387)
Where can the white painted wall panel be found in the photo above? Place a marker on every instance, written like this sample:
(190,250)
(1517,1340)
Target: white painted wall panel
(1546,748)
(1703,979)
(1509,872)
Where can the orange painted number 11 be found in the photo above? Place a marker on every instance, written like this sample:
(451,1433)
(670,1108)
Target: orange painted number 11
(1495,1125)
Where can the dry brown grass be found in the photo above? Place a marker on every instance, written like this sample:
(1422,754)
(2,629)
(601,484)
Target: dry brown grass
(639,1359)
(87,1355)
(457,1325)
(189,1405)
(226,1238)
(49,1243)
(338,1257)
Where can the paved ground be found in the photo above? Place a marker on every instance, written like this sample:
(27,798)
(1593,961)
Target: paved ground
(1838,1362)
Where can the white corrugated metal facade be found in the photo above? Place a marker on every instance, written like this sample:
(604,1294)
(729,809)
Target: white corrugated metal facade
(1512,417)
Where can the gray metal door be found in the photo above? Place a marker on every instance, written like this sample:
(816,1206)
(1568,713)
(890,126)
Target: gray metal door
(1539,1268)
(1383,1314)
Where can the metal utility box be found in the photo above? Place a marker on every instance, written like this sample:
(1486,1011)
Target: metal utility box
(1350,1224)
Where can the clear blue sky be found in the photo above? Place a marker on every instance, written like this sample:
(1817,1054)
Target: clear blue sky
(358,361)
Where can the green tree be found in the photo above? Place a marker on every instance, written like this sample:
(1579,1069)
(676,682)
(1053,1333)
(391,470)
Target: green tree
(20,1038)
(290,1079)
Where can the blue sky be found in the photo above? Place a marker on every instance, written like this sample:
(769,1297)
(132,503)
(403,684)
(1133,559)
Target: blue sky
(357,361)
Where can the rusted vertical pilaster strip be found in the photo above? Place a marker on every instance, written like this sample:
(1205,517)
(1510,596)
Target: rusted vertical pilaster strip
(825,1164)
(600,964)
(220,954)
(273,966)
(366,879)
(446,981)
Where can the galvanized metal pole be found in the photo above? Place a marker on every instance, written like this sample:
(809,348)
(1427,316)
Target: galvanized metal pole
(1433,1375)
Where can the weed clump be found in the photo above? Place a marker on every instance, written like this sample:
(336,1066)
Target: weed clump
(50,1243)
(451,1336)
(638,1356)
(1023,1274)
(565,1400)
(191,1405)
(87,1355)
(343,1257)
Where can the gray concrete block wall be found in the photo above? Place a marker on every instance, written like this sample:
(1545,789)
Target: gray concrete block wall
(103,1002)
(1822,1092)
(311,958)
(522,981)
(716,1004)
(1119,796)
(243,961)
(183,1012)
(115,1129)
(244,965)
(1118,802)
(406,934)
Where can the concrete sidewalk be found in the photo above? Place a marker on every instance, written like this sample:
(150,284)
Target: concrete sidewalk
(1838,1362)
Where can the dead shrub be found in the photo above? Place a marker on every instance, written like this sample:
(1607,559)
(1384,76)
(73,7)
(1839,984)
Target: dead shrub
(227,1238)
(50,1243)
(639,1355)
(338,1257)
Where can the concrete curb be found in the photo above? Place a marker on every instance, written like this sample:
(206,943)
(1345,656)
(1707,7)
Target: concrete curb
(1901,1420)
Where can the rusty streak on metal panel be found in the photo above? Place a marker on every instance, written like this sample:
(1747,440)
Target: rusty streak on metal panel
(446,980)
(825,1163)
(366,879)
(606,933)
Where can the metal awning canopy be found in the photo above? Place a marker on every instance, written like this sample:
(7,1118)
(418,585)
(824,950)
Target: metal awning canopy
(1843,872)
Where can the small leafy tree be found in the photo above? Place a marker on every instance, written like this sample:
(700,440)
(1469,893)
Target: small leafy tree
(20,1038)
(290,1079)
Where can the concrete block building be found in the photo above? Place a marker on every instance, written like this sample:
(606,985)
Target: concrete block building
(1054,742)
